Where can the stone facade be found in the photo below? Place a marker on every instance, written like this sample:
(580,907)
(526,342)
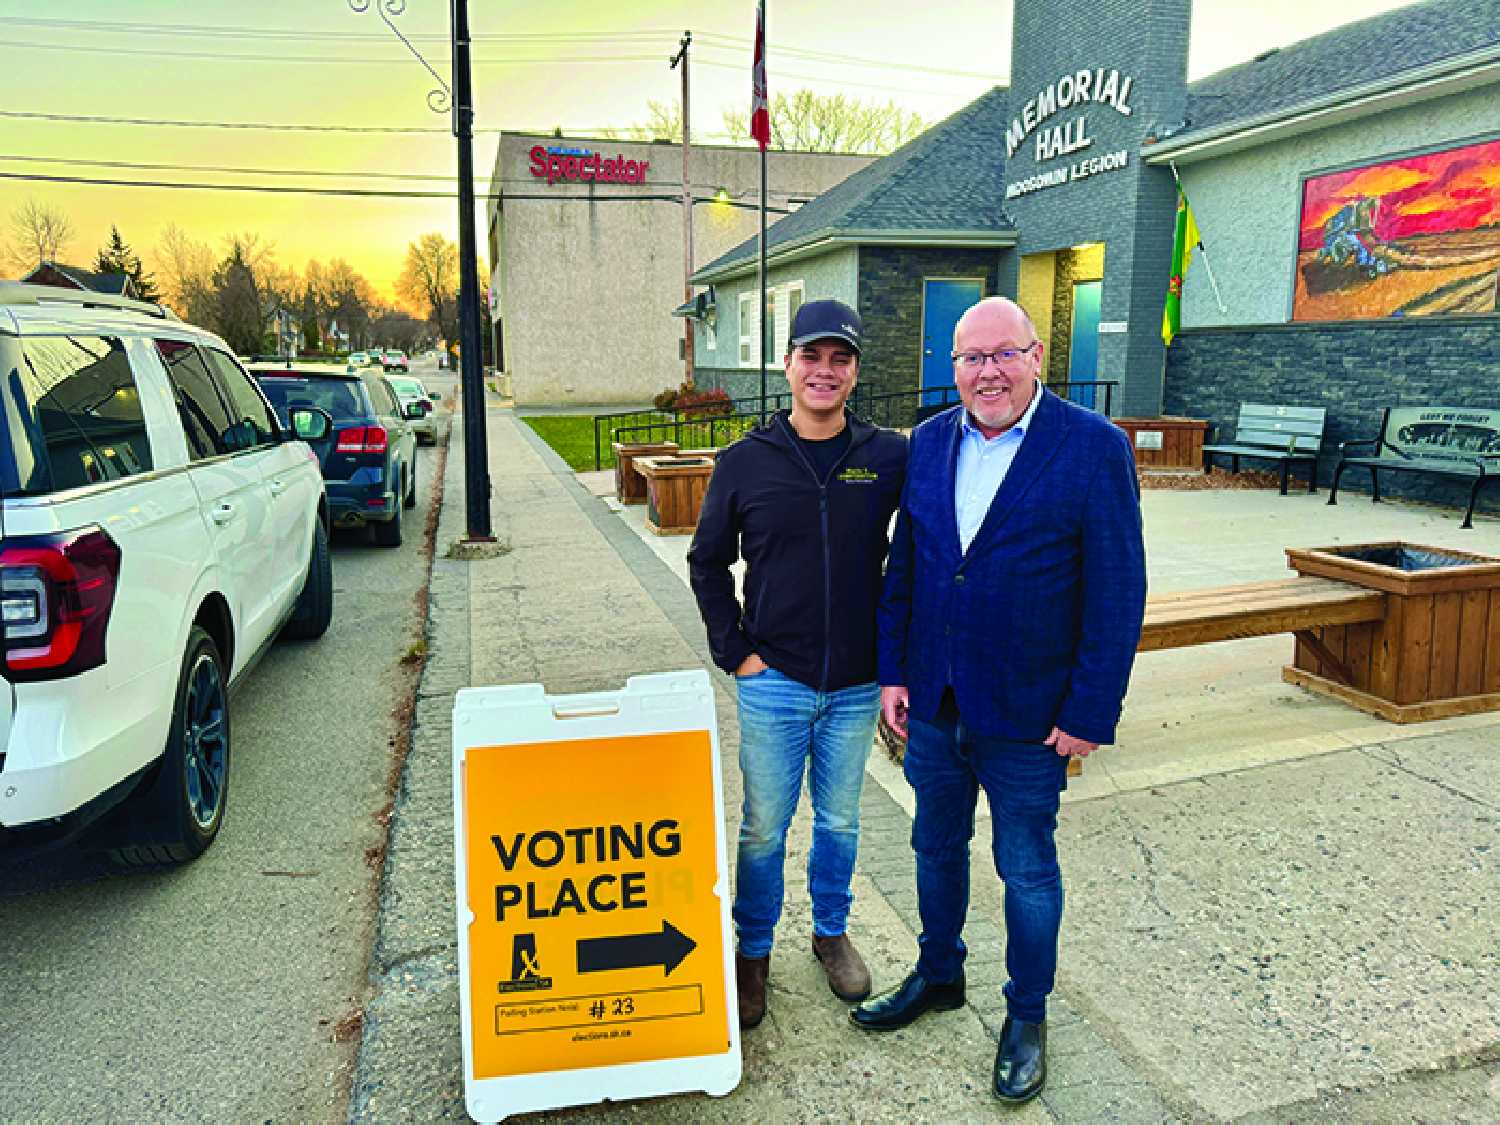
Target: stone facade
(890,303)
(1353,369)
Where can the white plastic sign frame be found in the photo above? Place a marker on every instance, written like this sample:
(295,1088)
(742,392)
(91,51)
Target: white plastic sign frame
(489,719)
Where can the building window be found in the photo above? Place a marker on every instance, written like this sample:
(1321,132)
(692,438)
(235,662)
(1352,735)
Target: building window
(747,329)
(710,334)
(787,301)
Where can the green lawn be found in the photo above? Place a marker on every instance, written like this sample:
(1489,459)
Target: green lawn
(572,436)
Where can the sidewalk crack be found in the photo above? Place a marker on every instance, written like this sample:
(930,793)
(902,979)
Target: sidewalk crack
(1387,756)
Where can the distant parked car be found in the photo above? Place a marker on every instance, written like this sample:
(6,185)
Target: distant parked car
(369,461)
(158,529)
(411,392)
(394,360)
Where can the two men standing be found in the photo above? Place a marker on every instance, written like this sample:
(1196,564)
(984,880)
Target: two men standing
(1012,606)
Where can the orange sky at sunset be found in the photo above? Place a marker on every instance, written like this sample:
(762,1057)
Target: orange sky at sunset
(571,63)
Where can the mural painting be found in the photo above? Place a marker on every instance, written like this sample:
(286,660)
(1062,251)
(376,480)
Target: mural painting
(1419,236)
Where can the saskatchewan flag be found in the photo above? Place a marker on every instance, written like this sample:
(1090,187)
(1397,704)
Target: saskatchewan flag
(1183,242)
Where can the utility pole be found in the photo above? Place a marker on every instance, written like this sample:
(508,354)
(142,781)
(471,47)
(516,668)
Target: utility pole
(471,352)
(687,205)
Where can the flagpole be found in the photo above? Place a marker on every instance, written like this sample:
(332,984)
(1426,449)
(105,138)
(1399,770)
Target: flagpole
(1207,266)
(765,328)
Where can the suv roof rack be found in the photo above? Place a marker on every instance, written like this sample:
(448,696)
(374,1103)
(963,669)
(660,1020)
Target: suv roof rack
(21,293)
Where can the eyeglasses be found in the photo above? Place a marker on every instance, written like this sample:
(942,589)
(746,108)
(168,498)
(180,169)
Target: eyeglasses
(974,361)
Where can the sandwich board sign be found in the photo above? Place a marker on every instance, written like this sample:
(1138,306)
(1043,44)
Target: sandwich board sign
(592,895)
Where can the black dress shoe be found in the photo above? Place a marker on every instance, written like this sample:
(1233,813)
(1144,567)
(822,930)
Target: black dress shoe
(893,1010)
(1021,1062)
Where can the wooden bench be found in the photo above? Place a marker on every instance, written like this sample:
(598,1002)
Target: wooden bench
(1284,434)
(1255,609)
(1448,441)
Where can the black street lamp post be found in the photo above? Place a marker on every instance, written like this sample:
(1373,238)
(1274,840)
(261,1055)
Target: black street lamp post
(471,355)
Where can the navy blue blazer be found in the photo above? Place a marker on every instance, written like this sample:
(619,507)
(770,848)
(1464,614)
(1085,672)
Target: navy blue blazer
(1036,625)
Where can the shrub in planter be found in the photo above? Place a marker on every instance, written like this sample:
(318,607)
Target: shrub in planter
(665,400)
(695,403)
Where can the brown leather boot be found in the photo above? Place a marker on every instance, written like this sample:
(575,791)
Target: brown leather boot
(847,974)
(750,982)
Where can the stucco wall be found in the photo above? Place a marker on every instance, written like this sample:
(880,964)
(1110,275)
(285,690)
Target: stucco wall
(1247,203)
(589,273)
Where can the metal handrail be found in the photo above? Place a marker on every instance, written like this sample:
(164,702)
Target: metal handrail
(894,409)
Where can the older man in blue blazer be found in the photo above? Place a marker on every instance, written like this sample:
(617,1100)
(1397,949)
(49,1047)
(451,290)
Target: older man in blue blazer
(1009,621)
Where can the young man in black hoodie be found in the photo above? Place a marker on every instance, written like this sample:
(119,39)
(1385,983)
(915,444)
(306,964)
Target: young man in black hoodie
(806,501)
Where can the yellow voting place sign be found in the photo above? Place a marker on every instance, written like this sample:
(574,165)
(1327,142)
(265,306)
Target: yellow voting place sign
(592,889)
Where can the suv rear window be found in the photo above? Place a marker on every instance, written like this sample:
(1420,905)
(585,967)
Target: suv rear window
(71,414)
(340,397)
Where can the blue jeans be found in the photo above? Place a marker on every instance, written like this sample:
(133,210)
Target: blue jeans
(946,764)
(784,727)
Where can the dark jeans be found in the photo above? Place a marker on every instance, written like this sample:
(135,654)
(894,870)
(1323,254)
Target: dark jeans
(946,765)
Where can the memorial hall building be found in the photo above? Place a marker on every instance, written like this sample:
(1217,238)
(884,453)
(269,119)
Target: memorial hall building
(1346,191)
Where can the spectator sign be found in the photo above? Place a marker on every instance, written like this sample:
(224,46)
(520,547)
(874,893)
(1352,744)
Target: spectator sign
(592,892)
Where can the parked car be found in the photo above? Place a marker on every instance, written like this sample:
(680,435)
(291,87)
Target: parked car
(410,391)
(159,527)
(369,461)
(393,360)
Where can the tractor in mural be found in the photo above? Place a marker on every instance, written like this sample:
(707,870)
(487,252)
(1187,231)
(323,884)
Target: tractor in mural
(1350,241)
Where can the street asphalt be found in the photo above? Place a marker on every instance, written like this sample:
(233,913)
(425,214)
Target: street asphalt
(1305,935)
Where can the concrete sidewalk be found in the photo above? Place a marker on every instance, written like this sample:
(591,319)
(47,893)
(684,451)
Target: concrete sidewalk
(1278,909)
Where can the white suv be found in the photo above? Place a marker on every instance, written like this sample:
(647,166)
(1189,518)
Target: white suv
(158,528)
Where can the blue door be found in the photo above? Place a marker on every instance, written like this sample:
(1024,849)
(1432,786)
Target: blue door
(1083,348)
(943,302)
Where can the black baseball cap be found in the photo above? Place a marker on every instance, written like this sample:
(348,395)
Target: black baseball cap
(826,320)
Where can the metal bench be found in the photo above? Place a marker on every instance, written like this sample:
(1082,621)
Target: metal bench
(1285,434)
(1449,441)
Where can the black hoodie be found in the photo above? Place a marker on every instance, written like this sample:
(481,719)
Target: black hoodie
(813,552)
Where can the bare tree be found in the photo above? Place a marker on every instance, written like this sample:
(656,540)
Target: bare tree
(185,268)
(807,122)
(38,233)
(429,283)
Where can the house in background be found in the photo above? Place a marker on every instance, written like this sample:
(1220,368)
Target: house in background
(75,277)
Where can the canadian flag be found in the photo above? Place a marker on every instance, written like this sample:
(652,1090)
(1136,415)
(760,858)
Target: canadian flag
(760,112)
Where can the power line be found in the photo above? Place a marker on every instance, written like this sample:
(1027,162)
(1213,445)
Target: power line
(224,168)
(371,193)
(132,27)
(276,126)
(735,43)
(322,60)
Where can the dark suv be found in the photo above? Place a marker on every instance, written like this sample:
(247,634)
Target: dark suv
(369,462)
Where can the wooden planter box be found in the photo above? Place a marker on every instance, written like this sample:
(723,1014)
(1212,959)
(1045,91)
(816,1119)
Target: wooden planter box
(630,488)
(1437,651)
(674,491)
(1166,443)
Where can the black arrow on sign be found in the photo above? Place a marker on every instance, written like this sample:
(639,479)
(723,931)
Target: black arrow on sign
(635,951)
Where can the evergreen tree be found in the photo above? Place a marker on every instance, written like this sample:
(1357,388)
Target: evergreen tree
(118,257)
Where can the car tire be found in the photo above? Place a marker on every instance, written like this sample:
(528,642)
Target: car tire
(178,811)
(388,534)
(314,612)
(411,488)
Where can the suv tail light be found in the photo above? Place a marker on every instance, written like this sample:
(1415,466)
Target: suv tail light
(361,439)
(57,592)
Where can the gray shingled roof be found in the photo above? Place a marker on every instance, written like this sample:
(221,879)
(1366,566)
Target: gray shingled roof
(1356,54)
(952,177)
(948,179)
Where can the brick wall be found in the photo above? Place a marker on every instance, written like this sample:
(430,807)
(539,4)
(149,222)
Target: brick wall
(1354,370)
(890,304)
